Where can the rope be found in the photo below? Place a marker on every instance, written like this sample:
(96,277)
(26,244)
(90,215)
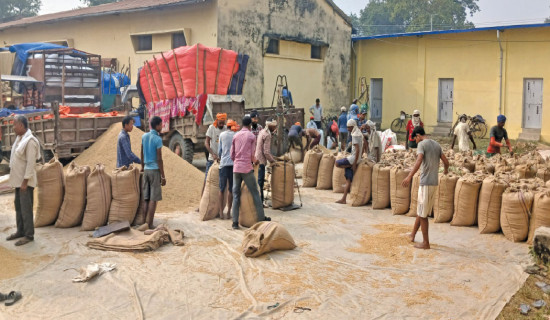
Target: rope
(158,69)
(179,74)
(170,73)
(218,72)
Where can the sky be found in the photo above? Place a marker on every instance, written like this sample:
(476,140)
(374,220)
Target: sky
(492,13)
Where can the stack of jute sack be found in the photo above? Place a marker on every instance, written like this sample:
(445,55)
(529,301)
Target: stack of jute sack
(86,197)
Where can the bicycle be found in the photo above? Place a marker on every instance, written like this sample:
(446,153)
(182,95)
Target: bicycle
(399,125)
(477,125)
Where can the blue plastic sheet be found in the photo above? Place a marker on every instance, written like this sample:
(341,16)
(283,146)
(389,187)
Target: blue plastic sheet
(7,112)
(117,80)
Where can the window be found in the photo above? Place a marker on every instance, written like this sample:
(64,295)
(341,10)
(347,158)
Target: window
(315,52)
(145,42)
(178,40)
(273,46)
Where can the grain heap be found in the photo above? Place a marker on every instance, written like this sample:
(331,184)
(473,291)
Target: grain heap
(184,181)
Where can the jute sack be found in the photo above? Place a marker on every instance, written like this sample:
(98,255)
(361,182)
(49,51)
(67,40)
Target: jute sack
(400,196)
(547,184)
(381,198)
(489,203)
(525,171)
(295,155)
(469,165)
(247,211)
(324,176)
(264,237)
(502,166)
(445,198)
(126,192)
(482,165)
(541,213)
(311,167)
(209,207)
(74,201)
(465,202)
(543,173)
(141,215)
(415,185)
(98,199)
(338,177)
(50,191)
(282,184)
(361,185)
(514,217)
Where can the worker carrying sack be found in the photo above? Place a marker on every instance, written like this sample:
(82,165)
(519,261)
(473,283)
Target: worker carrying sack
(415,185)
(444,198)
(209,207)
(324,175)
(490,200)
(282,184)
(361,185)
(126,193)
(338,176)
(381,186)
(514,217)
(98,199)
(311,167)
(465,202)
(541,213)
(50,192)
(74,202)
(264,237)
(400,196)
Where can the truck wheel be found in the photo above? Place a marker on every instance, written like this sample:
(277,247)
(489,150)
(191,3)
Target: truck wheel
(182,147)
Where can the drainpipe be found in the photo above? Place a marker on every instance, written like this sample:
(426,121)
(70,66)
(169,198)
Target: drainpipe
(500,74)
(355,73)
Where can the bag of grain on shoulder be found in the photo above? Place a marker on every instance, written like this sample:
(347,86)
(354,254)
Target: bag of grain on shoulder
(264,237)
(541,213)
(361,186)
(381,198)
(400,196)
(415,185)
(514,217)
(489,203)
(126,193)
(50,192)
(282,184)
(444,198)
(74,202)
(311,167)
(324,176)
(209,207)
(338,177)
(465,202)
(98,199)
(247,211)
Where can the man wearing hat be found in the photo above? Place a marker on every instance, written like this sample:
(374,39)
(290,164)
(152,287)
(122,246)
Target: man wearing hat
(411,125)
(353,110)
(295,135)
(497,134)
(256,127)
(350,163)
(263,152)
(342,128)
(311,124)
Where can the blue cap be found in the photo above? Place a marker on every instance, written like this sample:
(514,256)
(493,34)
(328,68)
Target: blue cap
(501,118)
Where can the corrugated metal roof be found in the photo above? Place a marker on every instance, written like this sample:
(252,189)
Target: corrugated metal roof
(425,33)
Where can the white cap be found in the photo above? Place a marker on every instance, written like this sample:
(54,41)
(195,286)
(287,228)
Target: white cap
(343,108)
(352,123)
(416,112)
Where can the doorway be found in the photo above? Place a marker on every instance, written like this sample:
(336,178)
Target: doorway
(446,91)
(376,100)
(532,103)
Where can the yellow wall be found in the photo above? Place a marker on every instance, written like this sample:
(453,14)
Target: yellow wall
(412,66)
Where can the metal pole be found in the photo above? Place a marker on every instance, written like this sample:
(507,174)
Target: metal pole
(500,74)
(431,22)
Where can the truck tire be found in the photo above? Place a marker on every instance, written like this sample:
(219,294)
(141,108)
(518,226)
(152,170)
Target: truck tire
(182,147)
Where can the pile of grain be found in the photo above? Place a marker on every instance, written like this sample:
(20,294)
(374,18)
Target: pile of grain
(183,180)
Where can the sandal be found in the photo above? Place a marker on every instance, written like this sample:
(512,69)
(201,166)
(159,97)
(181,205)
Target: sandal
(13,297)
(23,241)
(13,237)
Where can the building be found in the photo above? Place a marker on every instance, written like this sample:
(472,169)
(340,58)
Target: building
(309,41)
(486,71)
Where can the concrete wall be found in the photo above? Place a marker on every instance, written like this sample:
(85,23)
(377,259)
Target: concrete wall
(245,26)
(412,66)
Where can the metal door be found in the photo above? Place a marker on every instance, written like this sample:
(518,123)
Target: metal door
(376,99)
(532,103)
(446,88)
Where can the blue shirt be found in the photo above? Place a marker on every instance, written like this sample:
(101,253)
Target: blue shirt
(353,110)
(151,142)
(343,122)
(288,94)
(124,154)
(295,131)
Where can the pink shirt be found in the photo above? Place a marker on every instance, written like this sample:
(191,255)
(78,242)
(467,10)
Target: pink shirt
(242,151)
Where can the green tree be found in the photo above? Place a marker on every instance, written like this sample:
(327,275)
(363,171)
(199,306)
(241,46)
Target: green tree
(16,9)
(395,16)
(91,3)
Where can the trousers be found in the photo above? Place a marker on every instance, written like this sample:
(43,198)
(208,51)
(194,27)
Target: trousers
(23,212)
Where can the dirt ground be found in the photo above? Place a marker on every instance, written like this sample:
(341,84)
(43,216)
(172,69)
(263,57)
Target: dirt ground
(352,263)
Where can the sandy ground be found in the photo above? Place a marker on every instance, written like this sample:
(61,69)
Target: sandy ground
(351,263)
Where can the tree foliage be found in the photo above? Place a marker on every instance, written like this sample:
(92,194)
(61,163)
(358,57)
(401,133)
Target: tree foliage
(395,16)
(91,3)
(16,9)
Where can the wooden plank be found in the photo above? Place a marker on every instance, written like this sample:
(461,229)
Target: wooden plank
(77,129)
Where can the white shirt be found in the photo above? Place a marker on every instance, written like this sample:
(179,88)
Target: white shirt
(317,112)
(461,132)
(356,138)
(23,167)
(214,134)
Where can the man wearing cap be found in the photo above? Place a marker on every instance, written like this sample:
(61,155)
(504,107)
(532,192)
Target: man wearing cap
(295,135)
(353,110)
(256,127)
(263,152)
(411,125)
(362,118)
(311,124)
(212,141)
(497,134)
(373,142)
(342,128)
(462,132)
(429,153)
(350,163)
(317,111)
(226,167)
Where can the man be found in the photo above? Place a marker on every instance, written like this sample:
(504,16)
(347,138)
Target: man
(411,125)
(342,128)
(317,112)
(213,139)
(311,124)
(24,153)
(350,163)
(226,167)
(295,135)
(153,170)
(353,110)
(256,127)
(373,142)
(263,153)
(462,131)
(287,96)
(125,157)
(361,118)
(313,137)
(497,134)
(429,152)
(242,154)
